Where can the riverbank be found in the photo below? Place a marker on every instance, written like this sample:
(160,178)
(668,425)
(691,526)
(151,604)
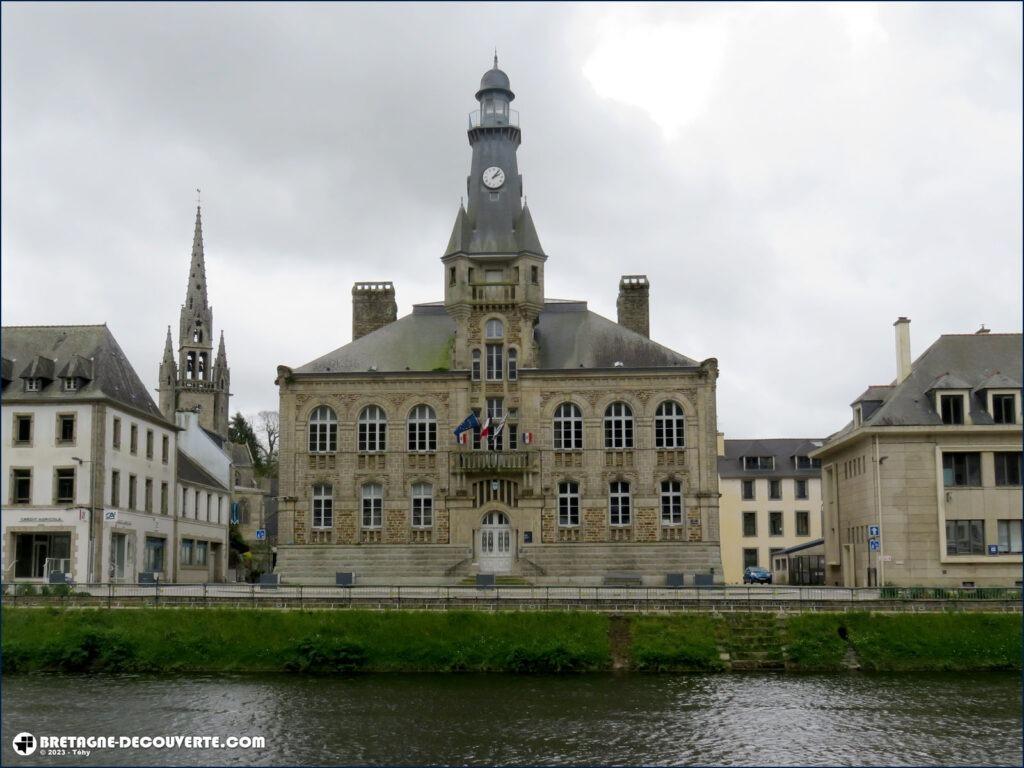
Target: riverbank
(326,642)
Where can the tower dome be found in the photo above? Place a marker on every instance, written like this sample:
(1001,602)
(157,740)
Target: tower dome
(495,79)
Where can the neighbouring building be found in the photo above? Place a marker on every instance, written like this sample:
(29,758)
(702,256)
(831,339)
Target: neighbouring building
(204,503)
(802,565)
(196,381)
(89,461)
(249,509)
(771,500)
(590,449)
(923,486)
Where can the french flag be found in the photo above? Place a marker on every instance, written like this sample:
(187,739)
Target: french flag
(485,430)
(527,438)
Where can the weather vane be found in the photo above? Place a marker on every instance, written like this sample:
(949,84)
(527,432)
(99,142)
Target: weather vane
(199,197)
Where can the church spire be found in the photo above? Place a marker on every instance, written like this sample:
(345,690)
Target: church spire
(195,295)
(169,347)
(222,355)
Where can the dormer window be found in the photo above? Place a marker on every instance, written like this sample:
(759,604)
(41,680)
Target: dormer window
(71,384)
(1004,408)
(951,409)
(33,385)
(806,462)
(758,462)
(858,416)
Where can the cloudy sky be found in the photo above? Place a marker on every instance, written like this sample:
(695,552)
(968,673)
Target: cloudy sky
(791,178)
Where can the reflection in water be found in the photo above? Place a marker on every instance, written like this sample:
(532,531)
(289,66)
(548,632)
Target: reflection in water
(737,719)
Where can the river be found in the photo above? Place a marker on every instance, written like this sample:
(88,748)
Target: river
(725,719)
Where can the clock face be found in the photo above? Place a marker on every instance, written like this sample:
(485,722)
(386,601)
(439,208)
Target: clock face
(493,177)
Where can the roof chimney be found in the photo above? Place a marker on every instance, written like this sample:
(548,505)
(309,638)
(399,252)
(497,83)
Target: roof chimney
(634,304)
(373,307)
(902,326)
(981,331)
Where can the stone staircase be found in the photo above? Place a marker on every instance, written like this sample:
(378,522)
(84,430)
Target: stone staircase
(580,563)
(372,564)
(752,641)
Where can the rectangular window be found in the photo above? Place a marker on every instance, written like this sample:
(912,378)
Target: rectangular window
(1008,468)
(163,498)
(164,449)
(323,506)
(1009,536)
(22,430)
(496,413)
(422,505)
(186,551)
(149,443)
(961,469)
(373,506)
(201,549)
(209,506)
(568,504)
(750,558)
(116,433)
(750,523)
(66,428)
(494,362)
(774,523)
(535,275)
(806,462)
(70,385)
(132,489)
(451,275)
(153,559)
(748,490)
(671,502)
(115,488)
(21,486)
(619,503)
(475,371)
(800,489)
(965,537)
(195,504)
(133,440)
(1004,410)
(31,385)
(493,275)
(774,489)
(803,523)
(148,495)
(759,462)
(951,408)
(65,490)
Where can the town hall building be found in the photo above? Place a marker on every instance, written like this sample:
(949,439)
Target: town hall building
(585,450)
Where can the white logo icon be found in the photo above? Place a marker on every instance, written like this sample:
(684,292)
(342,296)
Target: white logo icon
(25,743)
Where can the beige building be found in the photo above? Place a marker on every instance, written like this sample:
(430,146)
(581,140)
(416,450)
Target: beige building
(771,500)
(588,450)
(923,486)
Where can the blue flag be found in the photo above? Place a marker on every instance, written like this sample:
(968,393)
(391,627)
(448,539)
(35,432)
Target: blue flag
(471,422)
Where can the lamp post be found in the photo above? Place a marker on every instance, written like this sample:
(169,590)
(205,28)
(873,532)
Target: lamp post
(92,536)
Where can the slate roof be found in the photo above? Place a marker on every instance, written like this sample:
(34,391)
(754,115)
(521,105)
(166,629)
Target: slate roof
(467,238)
(568,334)
(190,472)
(783,449)
(79,348)
(800,547)
(962,361)
(240,455)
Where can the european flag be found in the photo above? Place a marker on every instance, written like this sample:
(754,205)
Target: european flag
(471,422)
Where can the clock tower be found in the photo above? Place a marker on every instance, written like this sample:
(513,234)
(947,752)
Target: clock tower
(494,263)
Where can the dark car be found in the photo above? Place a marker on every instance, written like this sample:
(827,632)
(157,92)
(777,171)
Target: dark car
(757,575)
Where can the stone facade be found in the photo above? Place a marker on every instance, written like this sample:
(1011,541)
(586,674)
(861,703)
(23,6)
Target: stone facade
(373,307)
(633,304)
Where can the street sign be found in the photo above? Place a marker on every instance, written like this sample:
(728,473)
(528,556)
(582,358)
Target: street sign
(873,530)
(261,534)
(110,515)
(993,549)
(875,545)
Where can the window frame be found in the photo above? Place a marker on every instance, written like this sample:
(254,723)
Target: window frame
(494,361)
(1006,526)
(669,427)
(571,423)
(421,429)
(475,365)
(619,433)
(620,504)
(801,489)
(999,413)
(18,475)
(671,501)
(750,484)
(974,542)
(371,506)
(569,504)
(422,505)
(776,516)
(804,516)
(19,419)
(746,517)
(62,420)
(322,430)
(1004,468)
(133,439)
(512,363)
(957,415)
(971,469)
(322,506)
(774,489)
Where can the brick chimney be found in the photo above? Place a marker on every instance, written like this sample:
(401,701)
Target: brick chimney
(373,307)
(902,326)
(634,304)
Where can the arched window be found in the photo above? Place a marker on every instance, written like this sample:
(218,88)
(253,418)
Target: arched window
(618,426)
(422,429)
(373,427)
(476,365)
(202,366)
(323,505)
(422,505)
(568,504)
(669,425)
(494,365)
(323,430)
(494,329)
(372,495)
(619,506)
(568,428)
(190,365)
(513,365)
(671,502)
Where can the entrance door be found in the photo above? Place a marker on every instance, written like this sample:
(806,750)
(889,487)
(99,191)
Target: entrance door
(494,543)
(118,557)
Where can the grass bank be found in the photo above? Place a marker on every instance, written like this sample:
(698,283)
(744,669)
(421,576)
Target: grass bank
(325,642)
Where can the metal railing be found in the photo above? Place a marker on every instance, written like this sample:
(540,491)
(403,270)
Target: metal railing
(492,461)
(109,594)
(495,119)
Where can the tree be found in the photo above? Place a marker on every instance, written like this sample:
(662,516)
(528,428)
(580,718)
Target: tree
(269,426)
(241,431)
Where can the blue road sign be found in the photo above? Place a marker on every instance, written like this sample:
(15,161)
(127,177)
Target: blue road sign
(875,545)
(873,530)
(261,534)
(993,549)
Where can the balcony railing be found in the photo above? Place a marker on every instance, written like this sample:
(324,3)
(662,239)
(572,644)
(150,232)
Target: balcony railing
(493,461)
(493,119)
(494,293)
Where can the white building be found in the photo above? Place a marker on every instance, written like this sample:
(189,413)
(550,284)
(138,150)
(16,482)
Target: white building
(204,503)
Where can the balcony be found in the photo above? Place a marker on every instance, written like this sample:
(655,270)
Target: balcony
(493,119)
(493,293)
(492,461)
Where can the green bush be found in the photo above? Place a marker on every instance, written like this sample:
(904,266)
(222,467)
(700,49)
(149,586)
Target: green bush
(317,654)
(677,643)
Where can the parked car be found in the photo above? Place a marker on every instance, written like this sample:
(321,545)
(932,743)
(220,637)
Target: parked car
(757,575)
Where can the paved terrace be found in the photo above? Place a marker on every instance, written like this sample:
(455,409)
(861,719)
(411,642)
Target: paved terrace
(527,598)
